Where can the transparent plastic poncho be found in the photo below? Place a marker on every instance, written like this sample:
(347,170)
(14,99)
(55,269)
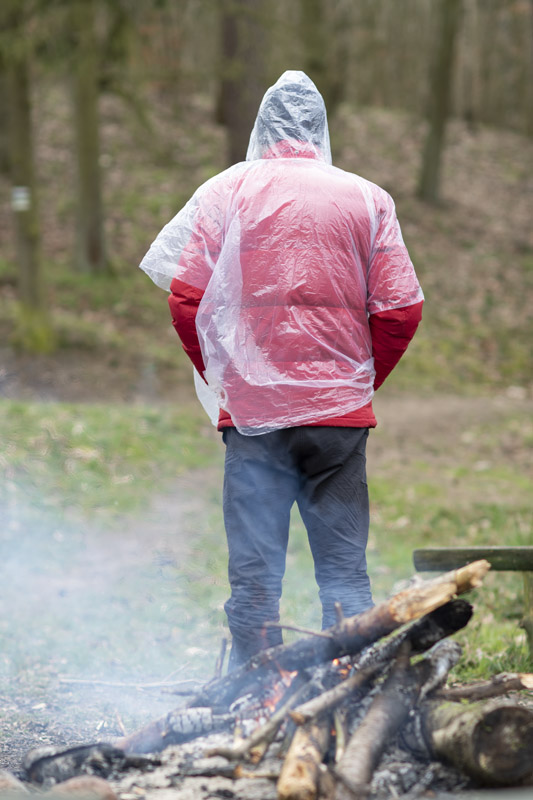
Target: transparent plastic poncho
(292,255)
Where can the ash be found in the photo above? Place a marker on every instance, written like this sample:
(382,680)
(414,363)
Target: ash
(188,772)
(401,775)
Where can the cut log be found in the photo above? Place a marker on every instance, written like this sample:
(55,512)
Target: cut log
(491,741)
(348,637)
(300,772)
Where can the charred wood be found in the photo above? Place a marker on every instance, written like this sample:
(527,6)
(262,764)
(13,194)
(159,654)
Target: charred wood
(385,716)
(440,660)
(175,727)
(50,765)
(388,712)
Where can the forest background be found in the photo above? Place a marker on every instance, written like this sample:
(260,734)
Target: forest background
(111,114)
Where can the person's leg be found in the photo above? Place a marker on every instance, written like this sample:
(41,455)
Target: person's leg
(333,502)
(260,486)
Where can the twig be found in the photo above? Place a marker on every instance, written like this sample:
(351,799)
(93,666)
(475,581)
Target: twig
(220,660)
(298,629)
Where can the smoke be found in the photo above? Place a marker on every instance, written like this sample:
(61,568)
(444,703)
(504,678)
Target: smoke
(90,617)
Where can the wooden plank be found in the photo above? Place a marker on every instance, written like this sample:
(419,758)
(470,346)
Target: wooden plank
(437,559)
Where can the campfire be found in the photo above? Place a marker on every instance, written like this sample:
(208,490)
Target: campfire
(360,710)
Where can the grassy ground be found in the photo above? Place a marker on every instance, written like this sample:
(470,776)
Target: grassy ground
(113,556)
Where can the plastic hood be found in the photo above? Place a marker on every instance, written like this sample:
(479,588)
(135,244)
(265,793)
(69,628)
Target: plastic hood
(291,121)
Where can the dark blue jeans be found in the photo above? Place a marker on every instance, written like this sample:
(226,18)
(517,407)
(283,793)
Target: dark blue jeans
(323,470)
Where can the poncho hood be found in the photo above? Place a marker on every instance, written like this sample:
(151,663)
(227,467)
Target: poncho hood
(291,121)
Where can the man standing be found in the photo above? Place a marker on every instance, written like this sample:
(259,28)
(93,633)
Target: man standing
(294,296)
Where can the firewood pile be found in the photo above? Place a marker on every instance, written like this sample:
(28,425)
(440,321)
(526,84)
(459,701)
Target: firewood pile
(358,711)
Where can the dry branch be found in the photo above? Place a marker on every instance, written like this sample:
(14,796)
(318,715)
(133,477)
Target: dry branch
(300,772)
(499,684)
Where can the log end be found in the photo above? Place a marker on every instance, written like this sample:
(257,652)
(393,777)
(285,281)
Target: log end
(504,743)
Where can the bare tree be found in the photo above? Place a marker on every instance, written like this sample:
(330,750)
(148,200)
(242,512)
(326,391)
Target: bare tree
(324,32)
(33,330)
(90,244)
(243,31)
(440,95)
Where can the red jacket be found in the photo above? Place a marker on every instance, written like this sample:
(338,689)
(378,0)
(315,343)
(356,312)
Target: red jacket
(391,333)
(291,284)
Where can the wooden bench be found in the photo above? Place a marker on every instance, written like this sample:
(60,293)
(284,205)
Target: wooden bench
(515,559)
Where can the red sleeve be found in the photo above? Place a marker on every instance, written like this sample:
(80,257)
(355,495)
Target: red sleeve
(391,333)
(184,300)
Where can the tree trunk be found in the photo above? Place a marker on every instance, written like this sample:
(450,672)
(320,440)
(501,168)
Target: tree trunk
(316,44)
(491,742)
(529,78)
(243,33)
(324,33)
(4,120)
(90,246)
(440,88)
(33,330)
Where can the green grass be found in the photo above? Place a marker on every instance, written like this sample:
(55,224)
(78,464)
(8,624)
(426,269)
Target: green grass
(97,459)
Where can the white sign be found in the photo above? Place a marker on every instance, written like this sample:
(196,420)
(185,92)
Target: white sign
(20,198)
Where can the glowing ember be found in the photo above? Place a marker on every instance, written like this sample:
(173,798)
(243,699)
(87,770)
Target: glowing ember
(278,690)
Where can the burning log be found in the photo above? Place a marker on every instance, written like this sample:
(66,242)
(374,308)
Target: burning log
(261,735)
(492,741)
(301,769)
(348,637)
(421,635)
